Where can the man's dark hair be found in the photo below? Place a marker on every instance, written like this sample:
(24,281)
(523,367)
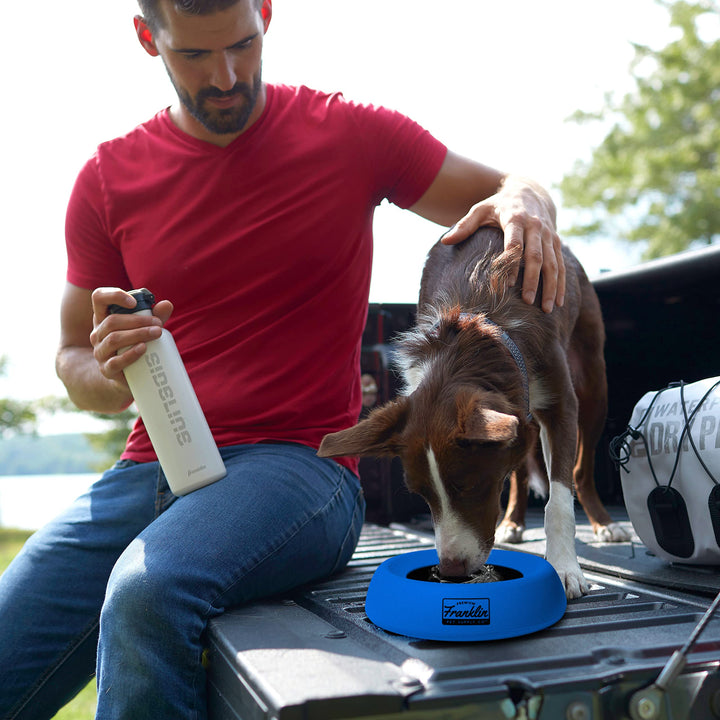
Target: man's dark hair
(152,12)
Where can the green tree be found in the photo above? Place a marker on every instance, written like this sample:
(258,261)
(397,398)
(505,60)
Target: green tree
(15,415)
(655,178)
(22,416)
(111,443)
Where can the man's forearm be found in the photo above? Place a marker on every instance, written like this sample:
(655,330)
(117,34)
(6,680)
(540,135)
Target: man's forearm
(86,386)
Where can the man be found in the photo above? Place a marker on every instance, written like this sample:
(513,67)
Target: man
(248,208)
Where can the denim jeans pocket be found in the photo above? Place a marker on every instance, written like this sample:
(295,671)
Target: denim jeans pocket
(123,464)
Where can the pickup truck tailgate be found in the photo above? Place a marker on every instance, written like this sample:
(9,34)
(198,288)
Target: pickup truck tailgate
(314,655)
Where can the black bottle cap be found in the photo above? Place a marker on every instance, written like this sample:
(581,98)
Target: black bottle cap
(145,301)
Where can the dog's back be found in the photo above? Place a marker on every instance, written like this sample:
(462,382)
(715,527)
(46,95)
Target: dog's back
(474,277)
(458,274)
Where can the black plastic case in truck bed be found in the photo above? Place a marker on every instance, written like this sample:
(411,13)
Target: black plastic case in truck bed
(314,655)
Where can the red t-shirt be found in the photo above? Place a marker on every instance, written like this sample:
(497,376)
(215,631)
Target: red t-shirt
(264,247)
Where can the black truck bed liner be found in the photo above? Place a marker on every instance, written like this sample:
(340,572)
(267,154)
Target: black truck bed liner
(314,654)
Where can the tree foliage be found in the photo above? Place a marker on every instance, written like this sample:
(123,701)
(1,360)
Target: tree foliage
(111,443)
(15,415)
(655,178)
(19,417)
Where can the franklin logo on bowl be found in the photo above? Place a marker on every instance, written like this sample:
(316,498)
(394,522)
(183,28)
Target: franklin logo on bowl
(466,611)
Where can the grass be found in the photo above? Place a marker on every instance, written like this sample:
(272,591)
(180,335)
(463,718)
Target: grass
(83,706)
(10,543)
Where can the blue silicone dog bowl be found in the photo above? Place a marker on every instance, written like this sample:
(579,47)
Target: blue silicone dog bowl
(531,599)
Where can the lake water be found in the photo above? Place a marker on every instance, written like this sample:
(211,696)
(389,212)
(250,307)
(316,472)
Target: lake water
(29,501)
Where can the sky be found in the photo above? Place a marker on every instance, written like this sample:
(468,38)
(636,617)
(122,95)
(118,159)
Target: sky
(495,81)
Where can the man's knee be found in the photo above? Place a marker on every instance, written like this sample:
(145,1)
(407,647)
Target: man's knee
(138,597)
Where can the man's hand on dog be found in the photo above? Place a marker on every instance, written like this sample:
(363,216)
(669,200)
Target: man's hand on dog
(526,214)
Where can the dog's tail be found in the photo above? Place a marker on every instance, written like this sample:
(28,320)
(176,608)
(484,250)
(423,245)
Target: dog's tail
(503,267)
(537,479)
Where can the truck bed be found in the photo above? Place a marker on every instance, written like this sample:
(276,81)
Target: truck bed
(315,655)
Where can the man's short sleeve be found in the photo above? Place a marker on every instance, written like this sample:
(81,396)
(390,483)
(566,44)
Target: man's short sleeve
(93,259)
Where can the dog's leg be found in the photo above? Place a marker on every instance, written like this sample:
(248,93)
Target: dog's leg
(588,435)
(560,534)
(590,383)
(512,526)
(530,474)
(558,436)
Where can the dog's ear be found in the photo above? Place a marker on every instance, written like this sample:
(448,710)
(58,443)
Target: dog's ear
(378,435)
(489,426)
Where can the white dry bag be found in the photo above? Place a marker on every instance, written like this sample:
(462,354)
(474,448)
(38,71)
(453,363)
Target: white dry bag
(670,454)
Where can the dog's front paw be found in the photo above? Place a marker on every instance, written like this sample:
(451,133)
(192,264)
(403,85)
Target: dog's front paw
(509,532)
(614,532)
(573,580)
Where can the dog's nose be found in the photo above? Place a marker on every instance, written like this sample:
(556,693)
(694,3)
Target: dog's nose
(452,567)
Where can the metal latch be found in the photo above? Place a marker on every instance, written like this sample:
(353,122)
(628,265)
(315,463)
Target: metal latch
(648,702)
(525,707)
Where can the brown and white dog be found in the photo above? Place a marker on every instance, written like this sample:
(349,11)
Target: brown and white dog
(486,375)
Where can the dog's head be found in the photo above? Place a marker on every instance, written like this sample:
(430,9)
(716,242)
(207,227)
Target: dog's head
(457,446)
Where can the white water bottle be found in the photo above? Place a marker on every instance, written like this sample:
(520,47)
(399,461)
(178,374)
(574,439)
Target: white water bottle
(170,409)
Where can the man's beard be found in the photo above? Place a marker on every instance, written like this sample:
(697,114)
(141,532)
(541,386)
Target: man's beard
(222,121)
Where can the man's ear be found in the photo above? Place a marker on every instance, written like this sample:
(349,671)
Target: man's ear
(145,36)
(266,12)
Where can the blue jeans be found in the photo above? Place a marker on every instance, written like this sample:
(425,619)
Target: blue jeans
(131,574)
